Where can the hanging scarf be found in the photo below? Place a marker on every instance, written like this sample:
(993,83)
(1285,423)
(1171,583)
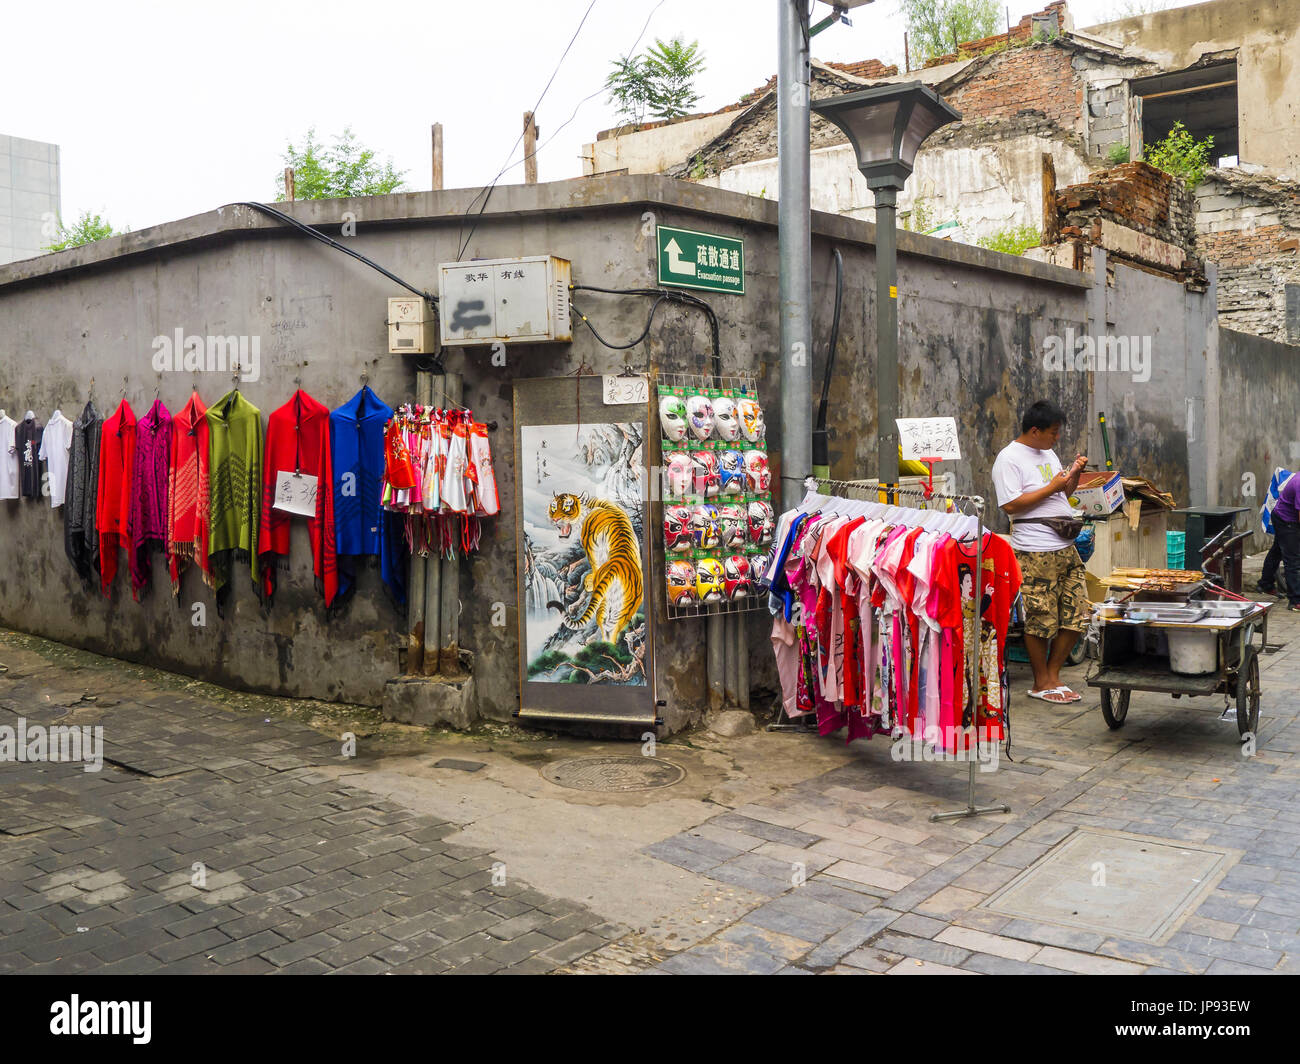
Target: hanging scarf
(187,493)
(80,542)
(234,489)
(362,528)
(297,441)
(153,448)
(113,494)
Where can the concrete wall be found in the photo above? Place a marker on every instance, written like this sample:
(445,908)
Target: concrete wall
(29,196)
(973,326)
(1267,36)
(652,151)
(1259,385)
(981,184)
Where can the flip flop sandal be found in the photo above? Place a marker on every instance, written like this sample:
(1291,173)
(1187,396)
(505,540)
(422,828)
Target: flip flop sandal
(1074,695)
(1042,696)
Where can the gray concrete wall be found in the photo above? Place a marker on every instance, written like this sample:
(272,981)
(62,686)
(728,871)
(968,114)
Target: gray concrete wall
(29,196)
(1259,384)
(973,328)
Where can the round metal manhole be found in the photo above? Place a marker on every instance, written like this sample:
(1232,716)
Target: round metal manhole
(613,773)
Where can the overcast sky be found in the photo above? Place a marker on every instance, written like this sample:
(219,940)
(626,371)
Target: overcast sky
(166,109)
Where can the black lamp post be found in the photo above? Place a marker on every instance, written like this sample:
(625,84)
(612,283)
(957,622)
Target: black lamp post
(886,126)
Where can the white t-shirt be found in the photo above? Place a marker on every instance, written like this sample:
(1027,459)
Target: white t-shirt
(1019,469)
(54,452)
(9,472)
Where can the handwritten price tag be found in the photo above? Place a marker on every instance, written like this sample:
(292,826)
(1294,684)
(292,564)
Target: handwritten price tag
(295,493)
(620,391)
(928,437)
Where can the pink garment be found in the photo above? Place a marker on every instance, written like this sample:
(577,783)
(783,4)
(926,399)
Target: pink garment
(787,664)
(886,567)
(862,544)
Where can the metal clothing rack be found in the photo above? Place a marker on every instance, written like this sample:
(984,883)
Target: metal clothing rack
(976,503)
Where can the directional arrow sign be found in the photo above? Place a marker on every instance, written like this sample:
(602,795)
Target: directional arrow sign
(675,264)
(691,259)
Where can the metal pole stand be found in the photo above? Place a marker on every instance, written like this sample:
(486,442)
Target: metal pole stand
(971,808)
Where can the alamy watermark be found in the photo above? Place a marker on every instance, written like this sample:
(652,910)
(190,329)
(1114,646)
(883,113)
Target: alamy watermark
(1099,354)
(179,353)
(59,742)
(963,744)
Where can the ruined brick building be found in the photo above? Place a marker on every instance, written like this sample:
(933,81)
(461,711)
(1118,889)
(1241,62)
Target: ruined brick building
(1225,69)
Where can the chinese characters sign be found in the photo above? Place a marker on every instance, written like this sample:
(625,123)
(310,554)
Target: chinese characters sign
(688,259)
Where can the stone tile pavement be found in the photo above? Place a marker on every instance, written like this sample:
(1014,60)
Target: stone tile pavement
(209,842)
(850,876)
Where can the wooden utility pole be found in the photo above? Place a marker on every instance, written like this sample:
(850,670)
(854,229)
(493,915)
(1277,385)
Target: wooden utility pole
(1051,220)
(530,149)
(288,183)
(437,156)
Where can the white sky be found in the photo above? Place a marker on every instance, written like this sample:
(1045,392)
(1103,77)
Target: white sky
(166,109)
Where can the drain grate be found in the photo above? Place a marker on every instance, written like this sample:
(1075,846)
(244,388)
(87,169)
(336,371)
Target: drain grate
(1115,883)
(613,773)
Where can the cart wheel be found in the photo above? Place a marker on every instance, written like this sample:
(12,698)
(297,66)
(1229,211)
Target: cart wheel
(1248,694)
(1114,706)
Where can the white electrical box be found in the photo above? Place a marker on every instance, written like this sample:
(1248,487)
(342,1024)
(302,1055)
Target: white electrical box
(412,329)
(522,301)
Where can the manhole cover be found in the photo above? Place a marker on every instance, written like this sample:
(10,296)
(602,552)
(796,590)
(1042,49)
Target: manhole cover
(613,773)
(1115,883)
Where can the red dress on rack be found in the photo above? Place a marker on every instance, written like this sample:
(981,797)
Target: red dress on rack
(113,498)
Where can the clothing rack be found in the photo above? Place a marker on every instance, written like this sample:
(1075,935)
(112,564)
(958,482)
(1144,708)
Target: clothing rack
(976,503)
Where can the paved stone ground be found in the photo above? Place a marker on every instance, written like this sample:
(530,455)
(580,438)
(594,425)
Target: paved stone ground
(301,873)
(887,890)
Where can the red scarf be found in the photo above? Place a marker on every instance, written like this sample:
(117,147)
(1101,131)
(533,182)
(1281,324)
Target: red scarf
(113,497)
(187,493)
(297,440)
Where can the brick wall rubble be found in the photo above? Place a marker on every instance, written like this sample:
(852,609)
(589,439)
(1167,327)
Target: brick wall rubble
(1249,225)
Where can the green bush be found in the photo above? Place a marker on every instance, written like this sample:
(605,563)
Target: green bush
(1182,155)
(1015,240)
(1116,154)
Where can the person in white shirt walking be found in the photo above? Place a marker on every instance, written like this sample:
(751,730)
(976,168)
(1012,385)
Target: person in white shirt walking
(1033,490)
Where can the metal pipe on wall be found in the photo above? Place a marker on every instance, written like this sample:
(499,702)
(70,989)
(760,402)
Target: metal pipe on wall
(742,660)
(714,635)
(795,246)
(449,612)
(731,675)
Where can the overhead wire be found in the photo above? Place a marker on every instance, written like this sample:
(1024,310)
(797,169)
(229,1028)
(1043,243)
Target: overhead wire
(486,191)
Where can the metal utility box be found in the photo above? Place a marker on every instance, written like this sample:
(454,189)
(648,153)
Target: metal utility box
(523,301)
(412,329)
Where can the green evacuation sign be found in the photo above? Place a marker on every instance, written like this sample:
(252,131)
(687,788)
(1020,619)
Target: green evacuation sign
(689,259)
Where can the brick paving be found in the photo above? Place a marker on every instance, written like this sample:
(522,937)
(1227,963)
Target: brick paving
(852,877)
(99,871)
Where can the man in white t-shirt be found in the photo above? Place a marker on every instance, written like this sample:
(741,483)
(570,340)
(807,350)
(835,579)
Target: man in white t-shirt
(1033,489)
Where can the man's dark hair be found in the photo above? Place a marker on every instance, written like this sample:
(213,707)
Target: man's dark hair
(1042,415)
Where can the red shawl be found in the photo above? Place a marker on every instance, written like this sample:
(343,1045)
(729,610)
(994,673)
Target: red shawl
(113,498)
(187,493)
(297,440)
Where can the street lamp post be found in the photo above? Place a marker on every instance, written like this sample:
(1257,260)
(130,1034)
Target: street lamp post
(886,126)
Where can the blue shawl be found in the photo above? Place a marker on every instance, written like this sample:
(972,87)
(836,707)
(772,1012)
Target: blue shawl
(362,526)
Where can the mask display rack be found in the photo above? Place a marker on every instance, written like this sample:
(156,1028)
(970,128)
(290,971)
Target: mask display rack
(868,492)
(714,493)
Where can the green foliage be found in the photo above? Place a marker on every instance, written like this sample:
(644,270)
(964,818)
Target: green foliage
(920,219)
(1014,240)
(87,229)
(1117,153)
(699,168)
(937,27)
(661,82)
(1182,155)
(1123,9)
(343,169)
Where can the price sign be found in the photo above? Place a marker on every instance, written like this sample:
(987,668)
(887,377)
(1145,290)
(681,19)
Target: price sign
(620,391)
(295,493)
(928,437)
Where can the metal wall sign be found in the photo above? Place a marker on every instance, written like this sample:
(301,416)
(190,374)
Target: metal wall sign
(691,259)
(585,638)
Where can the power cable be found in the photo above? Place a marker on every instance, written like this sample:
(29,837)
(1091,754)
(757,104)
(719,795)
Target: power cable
(489,188)
(660,296)
(316,234)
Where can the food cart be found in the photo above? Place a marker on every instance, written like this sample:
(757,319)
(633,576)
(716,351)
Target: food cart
(1180,634)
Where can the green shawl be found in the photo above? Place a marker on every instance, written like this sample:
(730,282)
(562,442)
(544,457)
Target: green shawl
(234,488)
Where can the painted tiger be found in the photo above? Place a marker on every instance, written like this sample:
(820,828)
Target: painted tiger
(610,543)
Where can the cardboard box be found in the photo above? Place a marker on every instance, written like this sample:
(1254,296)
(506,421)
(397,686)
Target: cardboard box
(1099,493)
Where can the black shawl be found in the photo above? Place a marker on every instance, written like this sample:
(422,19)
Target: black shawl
(79,537)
